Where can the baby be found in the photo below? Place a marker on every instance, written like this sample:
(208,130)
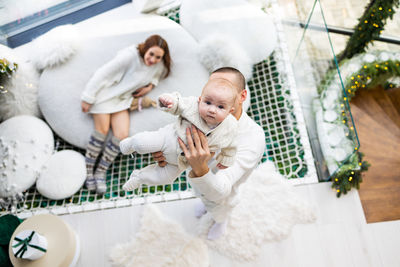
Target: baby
(210,113)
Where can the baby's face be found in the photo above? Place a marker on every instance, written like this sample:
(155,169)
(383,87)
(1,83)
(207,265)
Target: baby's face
(216,103)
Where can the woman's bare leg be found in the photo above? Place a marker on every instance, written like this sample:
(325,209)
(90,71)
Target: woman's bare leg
(120,125)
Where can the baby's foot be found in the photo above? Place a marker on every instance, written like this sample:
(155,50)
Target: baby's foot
(132,183)
(199,209)
(126,146)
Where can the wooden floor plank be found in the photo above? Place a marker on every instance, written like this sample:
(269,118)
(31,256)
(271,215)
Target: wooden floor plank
(385,102)
(394,95)
(380,189)
(365,101)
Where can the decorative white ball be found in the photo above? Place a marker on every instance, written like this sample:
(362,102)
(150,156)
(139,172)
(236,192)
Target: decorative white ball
(26,143)
(250,27)
(335,136)
(330,115)
(64,175)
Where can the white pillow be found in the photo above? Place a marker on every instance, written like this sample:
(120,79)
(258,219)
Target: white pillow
(63,176)
(61,87)
(248,25)
(219,50)
(55,46)
(26,143)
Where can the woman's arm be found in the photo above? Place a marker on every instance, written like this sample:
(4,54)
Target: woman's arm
(107,75)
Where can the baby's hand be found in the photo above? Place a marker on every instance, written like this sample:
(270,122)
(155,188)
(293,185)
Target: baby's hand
(221,167)
(166,101)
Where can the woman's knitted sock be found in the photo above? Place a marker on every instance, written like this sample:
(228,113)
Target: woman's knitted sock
(110,153)
(93,149)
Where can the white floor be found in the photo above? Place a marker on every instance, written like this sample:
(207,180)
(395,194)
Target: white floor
(339,238)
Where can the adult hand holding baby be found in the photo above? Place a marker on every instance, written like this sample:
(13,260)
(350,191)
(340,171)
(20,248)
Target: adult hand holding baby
(197,152)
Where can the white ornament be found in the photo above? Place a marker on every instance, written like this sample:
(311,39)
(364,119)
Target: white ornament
(335,136)
(384,56)
(369,58)
(330,115)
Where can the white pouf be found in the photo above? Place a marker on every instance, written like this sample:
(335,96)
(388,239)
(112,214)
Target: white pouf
(26,143)
(63,176)
(61,87)
(248,25)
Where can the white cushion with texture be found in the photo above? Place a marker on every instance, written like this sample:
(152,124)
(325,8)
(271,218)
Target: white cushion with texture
(63,176)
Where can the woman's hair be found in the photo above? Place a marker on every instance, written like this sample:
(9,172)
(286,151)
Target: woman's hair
(157,40)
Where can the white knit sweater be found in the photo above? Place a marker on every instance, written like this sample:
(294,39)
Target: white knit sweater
(111,86)
(222,137)
(222,186)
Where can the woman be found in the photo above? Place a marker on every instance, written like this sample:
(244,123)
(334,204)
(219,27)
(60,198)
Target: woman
(134,72)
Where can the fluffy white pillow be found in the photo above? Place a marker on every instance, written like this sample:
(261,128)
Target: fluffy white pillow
(22,88)
(61,87)
(63,176)
(55,46)
(248,25)
(26,143)
(219,50)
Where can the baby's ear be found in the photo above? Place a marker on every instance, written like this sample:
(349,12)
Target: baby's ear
(199,99)
(232,110)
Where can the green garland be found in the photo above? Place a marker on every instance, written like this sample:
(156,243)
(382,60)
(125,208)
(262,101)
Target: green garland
(370,26)
(368,76)
(373,74)
(6,70)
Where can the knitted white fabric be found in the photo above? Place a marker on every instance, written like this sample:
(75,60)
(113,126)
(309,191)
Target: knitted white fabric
(160,242)
(267,211)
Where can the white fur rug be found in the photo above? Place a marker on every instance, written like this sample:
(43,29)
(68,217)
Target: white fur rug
(160,242)
(268,210)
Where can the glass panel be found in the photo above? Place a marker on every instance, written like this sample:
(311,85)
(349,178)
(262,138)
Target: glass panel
(17,16)
(323,98)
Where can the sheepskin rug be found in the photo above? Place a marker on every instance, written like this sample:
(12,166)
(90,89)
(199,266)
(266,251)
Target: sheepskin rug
(268,210)
(22,88)
(160,242)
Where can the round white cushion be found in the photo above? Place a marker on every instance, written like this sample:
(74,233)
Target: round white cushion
(63,175)
(248,25)
(60,87)
(26,143)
